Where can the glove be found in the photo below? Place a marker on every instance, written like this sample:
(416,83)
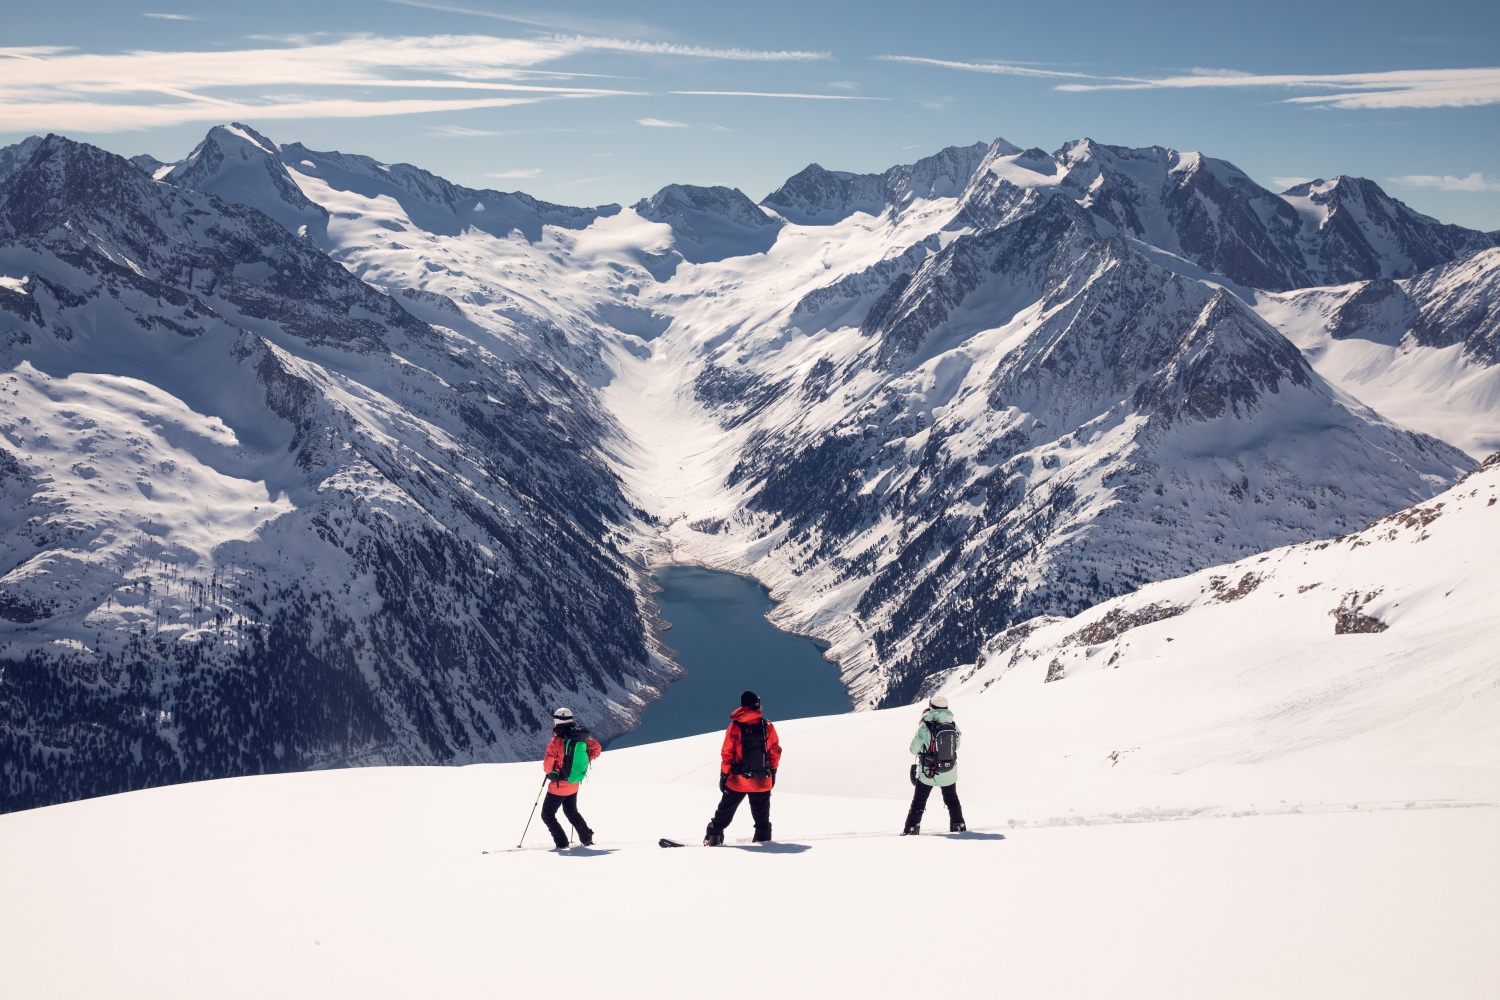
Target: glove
(554,775)
(723,781)
(773,777)
(914,775)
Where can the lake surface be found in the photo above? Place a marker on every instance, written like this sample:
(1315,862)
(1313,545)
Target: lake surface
(721,636)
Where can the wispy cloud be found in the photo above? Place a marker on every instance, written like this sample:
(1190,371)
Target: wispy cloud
(548,20)
(1447,182)
(997,68)
(763,93)
(1417,88)
(660,123)
(516,175)
(306,76)
(936,105)
(699,51)
(843,85)
(53,88)
(1289,182)
(457,132)
(173,17)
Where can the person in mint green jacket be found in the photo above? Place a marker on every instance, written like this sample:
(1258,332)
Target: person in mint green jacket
(936,750)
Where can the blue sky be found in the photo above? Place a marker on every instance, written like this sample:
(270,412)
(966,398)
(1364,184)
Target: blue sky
(589,102)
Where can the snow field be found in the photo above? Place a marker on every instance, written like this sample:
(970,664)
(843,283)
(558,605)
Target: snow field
(371,882)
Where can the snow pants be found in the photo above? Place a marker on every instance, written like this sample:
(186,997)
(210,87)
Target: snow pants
(760,811)
(919,805)
(569,804)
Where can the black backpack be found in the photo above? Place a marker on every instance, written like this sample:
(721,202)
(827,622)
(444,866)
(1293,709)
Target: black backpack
(755,761)
(941,754)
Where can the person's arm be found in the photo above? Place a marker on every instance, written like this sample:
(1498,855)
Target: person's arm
(594,749)
(919,741)
(773,745)
(726,752)
(552,762)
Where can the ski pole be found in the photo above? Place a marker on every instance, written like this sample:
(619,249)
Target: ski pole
(533,810)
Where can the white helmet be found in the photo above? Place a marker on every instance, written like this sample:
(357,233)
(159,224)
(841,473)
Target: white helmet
(939,701)
(562,715)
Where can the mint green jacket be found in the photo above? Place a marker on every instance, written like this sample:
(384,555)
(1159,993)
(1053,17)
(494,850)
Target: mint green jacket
(923,739)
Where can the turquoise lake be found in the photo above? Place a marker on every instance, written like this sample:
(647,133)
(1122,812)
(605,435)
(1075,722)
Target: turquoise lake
(722,638)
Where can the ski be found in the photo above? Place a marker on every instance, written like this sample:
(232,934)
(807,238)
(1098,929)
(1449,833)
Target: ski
(664,842)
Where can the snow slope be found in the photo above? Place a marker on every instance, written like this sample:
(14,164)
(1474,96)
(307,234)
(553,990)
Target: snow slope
(1294,812)
(1424,351)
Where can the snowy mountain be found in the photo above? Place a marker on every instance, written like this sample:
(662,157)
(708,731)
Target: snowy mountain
(1036,419)
(1423,350)
(1404,607)
(1201,209)
(923,406)
(260,517)
(709,224)
(1231,786)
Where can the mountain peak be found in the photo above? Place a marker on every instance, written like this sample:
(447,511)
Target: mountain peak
(238,164)
(13,158)
(711,223)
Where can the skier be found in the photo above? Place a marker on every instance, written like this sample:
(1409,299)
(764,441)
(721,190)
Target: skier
(564,771)
(936,750)
(748,762)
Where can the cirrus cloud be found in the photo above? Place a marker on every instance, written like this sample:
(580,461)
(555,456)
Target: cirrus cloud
(1447,182)
(1413,88)
(56,88)
(1383,89)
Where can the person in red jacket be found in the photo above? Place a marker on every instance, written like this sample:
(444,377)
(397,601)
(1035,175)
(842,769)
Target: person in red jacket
(565,793)
(747,766)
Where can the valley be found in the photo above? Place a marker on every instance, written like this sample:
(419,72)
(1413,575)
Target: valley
(923,408)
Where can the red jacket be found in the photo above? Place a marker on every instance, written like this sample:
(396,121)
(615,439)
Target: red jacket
(730,754)
(553,761)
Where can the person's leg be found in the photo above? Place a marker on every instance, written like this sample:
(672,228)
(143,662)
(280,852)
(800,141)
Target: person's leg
(549,819)
(955,811)
(570,808)
(918,807)
(722,816)
(760,811)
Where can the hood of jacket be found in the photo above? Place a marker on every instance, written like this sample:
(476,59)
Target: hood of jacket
(745,715)
(937,715)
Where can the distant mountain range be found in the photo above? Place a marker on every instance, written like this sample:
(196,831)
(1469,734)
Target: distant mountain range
(313,460)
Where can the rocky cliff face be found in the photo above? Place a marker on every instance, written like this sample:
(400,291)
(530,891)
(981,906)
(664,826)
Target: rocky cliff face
(1038,418)
(260,517)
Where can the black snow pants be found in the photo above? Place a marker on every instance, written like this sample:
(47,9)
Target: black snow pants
(760,811)
(569,804)
(919,805)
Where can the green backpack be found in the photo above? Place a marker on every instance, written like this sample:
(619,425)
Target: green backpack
(575,762)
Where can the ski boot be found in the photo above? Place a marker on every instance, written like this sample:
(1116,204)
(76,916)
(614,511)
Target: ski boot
(912,830)
(958,826)
(713,838)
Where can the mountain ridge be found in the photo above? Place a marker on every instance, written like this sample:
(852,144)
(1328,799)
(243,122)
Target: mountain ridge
(990,398)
